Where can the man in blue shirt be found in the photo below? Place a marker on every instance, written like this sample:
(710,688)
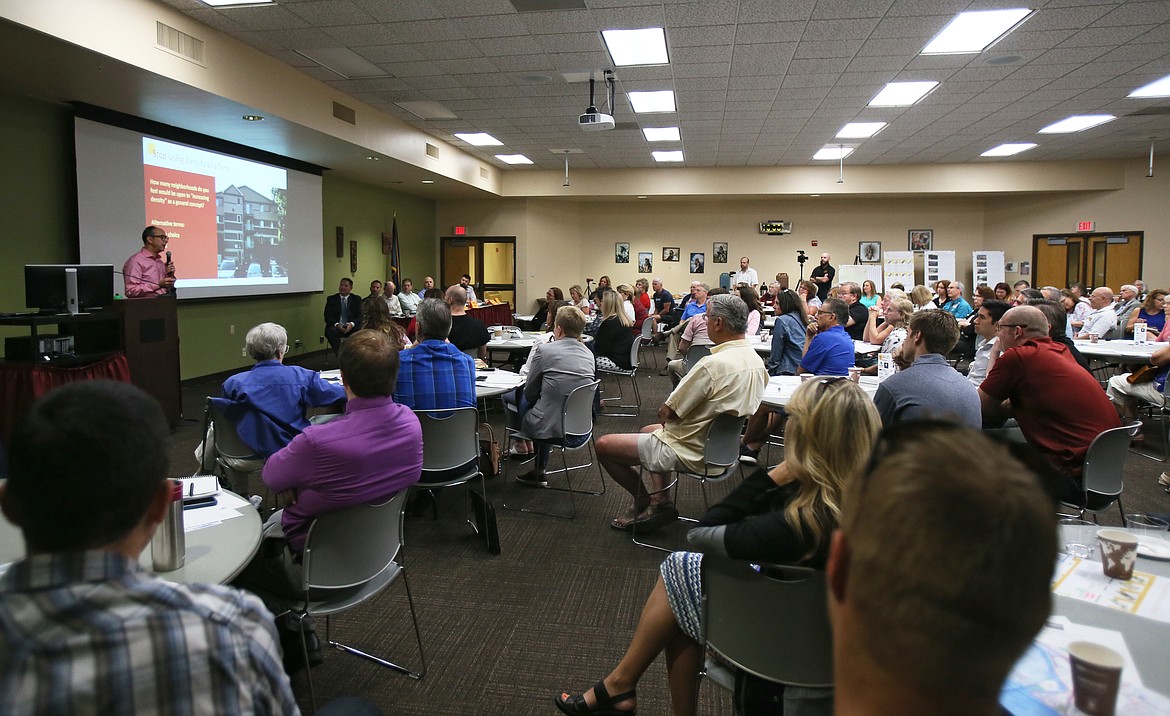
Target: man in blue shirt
(829,351)
(955,304)
(434,374)
(698,302)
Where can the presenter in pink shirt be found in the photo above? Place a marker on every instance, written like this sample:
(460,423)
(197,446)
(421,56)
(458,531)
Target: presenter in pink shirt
(147,273)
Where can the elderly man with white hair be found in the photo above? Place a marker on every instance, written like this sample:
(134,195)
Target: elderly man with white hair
(955,304)
(1127,303)
(1102,321)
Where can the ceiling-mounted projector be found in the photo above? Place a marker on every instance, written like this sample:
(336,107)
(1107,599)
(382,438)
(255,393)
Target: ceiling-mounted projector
(592,120)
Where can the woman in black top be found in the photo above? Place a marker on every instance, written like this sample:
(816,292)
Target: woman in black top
(783,516)
(613,339)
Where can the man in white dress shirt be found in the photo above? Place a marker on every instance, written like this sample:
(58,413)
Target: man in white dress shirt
(746,274)
(1102,321)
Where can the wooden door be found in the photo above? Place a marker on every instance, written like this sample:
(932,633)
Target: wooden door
(1102,259)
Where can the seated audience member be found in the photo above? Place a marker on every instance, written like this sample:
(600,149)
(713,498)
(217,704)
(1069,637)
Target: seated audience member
(1020,286)
(788,334)
(694,334)
(603,285)
(986,322)
(1101,321)
(965,348)
(730,380)
(343,314)
(613,339)
(926,619)
(412,327)
(940,292)
(1060,408)
(365,456)
(928,388)
(578,299)
(922,298)
(1057,318)
(892,332)
(955,304)
(770,296)
(785,516)
(548,320)
(694,304)
(390,296)
(755,310)
(553,371)
(1026,295)
(1127,303)
(434,374)
(1003,292)
(269,401)
(468,333)
(1152,311)
(407,298)
(626,291)
(663,308)
(375,289)
(869,295)
(642,293)
(858,313)
(84,628)
(828,350)
(1126,395)
(376,317)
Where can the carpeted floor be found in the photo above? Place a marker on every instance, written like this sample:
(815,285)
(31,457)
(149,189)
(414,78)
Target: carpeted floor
(554,611)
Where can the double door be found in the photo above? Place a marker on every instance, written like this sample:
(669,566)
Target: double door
(1101,259)
(489,260)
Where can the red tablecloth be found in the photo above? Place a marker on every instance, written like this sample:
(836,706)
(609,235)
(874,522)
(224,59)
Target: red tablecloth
(22,383)
(500,315)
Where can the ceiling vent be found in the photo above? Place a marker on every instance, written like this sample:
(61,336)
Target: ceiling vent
(345,114)
(180,44)
(432,151)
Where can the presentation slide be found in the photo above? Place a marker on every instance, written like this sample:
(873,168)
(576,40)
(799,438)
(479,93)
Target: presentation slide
(237,227)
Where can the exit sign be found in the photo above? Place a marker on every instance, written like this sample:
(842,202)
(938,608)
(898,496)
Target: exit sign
(1084,226)
(460,230)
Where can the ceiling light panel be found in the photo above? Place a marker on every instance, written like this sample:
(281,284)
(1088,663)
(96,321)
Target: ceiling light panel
(655,101)
(833,153)
(1157,88)
(973,32)
(860,130)
(479,139)
(661,134)
(1007,150)
(630,48)
(1077,123)
(675,155)
(513,159)
(902,94)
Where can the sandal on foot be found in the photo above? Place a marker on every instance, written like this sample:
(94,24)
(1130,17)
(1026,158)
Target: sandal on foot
(574,704)
(624,522)
(656,516)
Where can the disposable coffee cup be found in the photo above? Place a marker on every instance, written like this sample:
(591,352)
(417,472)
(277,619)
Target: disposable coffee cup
(805,377)
(1118,553)
(855,374)
(1093,338)
(1096,677)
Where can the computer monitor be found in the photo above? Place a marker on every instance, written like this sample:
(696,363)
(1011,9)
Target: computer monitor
(68,288)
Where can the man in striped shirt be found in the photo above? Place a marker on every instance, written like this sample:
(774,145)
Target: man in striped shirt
(83,627)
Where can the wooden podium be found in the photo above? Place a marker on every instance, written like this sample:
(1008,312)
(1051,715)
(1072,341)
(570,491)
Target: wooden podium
(150,340)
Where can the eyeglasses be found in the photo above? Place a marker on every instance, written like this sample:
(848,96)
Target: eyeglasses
(825,313)
(158,236)
(1012,325)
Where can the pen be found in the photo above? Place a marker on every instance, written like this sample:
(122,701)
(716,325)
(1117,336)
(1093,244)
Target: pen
(191,489)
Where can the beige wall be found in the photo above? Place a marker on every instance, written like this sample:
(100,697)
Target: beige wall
(563,241)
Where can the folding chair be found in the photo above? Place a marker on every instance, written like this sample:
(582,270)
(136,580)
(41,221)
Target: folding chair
(577,427)
(451,454)
(350,556)
(772,624)
(1101,477)
(632,374)
(720,460)
(227,449)
(646,340)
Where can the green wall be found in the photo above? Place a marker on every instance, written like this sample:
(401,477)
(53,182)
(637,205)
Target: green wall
(38,223)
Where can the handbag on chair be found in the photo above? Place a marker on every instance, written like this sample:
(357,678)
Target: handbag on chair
(489,451)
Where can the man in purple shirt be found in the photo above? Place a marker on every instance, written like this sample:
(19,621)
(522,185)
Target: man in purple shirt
(370,453)
(147,273)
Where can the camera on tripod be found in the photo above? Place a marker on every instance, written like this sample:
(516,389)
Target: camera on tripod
(801,257)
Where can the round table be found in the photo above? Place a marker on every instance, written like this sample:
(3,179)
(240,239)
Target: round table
(1119,351)
(215,553)
(781,387)
(496,382)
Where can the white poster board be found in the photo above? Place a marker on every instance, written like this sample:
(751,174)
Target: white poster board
(940,265)
(858,274)
(898,267)
(986,268)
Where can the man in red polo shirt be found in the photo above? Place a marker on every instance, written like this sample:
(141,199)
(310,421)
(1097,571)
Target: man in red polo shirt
(1059,406)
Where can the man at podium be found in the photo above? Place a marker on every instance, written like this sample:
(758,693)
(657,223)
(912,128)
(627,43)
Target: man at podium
(147,273)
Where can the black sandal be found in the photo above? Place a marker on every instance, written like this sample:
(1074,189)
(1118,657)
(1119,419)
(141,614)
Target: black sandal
(575,705)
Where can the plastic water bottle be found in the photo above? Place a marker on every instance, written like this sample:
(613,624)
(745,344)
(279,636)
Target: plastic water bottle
(168,547)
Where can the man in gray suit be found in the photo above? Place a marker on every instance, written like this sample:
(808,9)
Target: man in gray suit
(554,370)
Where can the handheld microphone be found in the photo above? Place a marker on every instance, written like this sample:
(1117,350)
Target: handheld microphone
(168,257)
(171,288)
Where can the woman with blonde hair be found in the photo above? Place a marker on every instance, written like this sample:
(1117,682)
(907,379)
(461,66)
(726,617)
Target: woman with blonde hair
(922,298)
(376,317)
(577,294)
(613,339)
(784,516)
(892,333)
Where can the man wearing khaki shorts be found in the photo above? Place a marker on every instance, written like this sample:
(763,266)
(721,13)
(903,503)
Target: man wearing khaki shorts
(731,380)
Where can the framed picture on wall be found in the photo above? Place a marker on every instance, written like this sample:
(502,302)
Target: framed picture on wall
(920,240)
(719,252)
(671,253)
(621,253)
(869,251)
(698,263)
(645,262)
